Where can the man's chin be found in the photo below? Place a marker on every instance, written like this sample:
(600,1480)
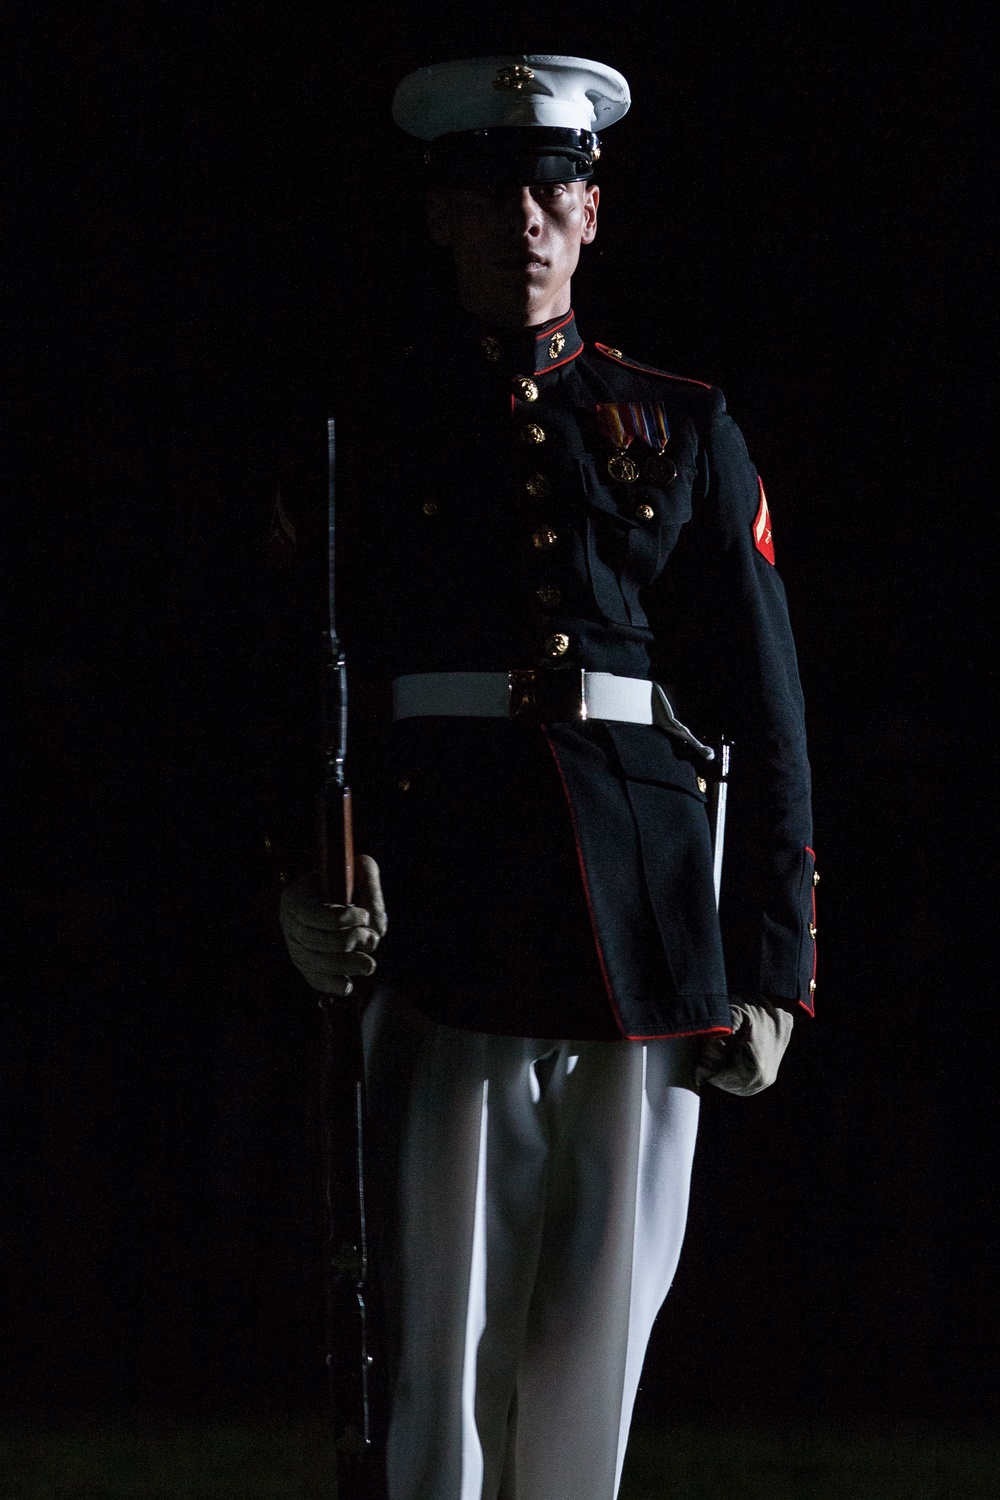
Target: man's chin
(510,296)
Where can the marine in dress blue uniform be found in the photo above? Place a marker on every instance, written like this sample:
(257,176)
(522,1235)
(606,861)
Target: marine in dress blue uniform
(518,552)
(566,540)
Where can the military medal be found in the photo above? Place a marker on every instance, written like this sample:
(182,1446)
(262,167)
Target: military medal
(623,421)
(622,468)
(659,469)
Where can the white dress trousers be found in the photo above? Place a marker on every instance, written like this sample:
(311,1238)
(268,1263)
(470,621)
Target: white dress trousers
(537,1193)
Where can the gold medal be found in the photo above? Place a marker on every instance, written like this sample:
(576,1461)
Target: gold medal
(622,468)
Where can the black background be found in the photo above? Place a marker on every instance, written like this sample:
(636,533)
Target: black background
(214,227)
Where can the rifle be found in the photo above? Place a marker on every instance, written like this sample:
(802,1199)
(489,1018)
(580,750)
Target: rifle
(342,1097)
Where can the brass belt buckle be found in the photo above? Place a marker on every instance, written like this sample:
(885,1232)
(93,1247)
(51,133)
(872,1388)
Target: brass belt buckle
(521,693)
(557,697)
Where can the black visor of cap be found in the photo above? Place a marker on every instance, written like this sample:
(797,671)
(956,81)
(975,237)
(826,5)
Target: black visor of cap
(515,155)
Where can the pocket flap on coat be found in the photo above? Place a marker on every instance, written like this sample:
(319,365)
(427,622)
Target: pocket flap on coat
(671,504)
(646,753)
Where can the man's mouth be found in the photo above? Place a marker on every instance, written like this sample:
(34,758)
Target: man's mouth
(524,262)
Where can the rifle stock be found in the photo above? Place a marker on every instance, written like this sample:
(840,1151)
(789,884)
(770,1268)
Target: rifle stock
(336,824)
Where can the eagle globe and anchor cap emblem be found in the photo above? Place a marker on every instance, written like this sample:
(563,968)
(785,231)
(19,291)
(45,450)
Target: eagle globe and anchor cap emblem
(513,77)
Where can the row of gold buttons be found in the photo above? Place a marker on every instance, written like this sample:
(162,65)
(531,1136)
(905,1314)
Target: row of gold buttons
(543,538)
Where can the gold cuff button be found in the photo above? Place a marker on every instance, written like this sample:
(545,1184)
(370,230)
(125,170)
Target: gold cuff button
(548,595)
(532,433)
(538,486)
(526,388)
(616,353)
(544,537)
(557,645)
(430,507)
(645,512)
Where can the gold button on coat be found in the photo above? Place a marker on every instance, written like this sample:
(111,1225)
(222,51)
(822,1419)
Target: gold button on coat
(532,433)
(645,512)
(544,536)
(812,930)
(430,507)
(557,645)
(702,784)
(815,877)
(538,486)
(526,388)
(549,595)
(812,986)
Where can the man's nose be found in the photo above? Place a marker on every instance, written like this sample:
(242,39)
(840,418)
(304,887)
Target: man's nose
(528,212)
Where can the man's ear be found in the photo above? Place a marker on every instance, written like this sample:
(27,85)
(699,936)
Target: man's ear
(438,217)
(591,198)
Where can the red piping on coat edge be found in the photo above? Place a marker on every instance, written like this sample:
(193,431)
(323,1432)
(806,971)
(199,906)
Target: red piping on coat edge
(676,1036)
(810,1007)
(652,370)
(586,885)
(548,332)
(652,1036)
(574,355)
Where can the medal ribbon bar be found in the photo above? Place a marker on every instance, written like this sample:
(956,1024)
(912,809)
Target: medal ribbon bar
(621,421)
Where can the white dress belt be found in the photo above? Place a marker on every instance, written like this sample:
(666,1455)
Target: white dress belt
(509,695)
(558,696)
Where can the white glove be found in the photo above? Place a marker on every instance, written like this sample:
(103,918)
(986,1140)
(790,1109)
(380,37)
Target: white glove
(747,1061)
(327,943)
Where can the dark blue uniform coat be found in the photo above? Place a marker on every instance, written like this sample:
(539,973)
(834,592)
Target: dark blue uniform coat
(555,879)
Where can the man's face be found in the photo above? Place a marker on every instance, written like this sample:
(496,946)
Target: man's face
(515,249)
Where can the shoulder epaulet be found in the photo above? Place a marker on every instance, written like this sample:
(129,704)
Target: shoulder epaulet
(635,364)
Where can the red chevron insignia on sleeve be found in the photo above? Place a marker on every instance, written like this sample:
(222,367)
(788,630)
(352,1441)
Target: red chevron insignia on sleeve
(762,538)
